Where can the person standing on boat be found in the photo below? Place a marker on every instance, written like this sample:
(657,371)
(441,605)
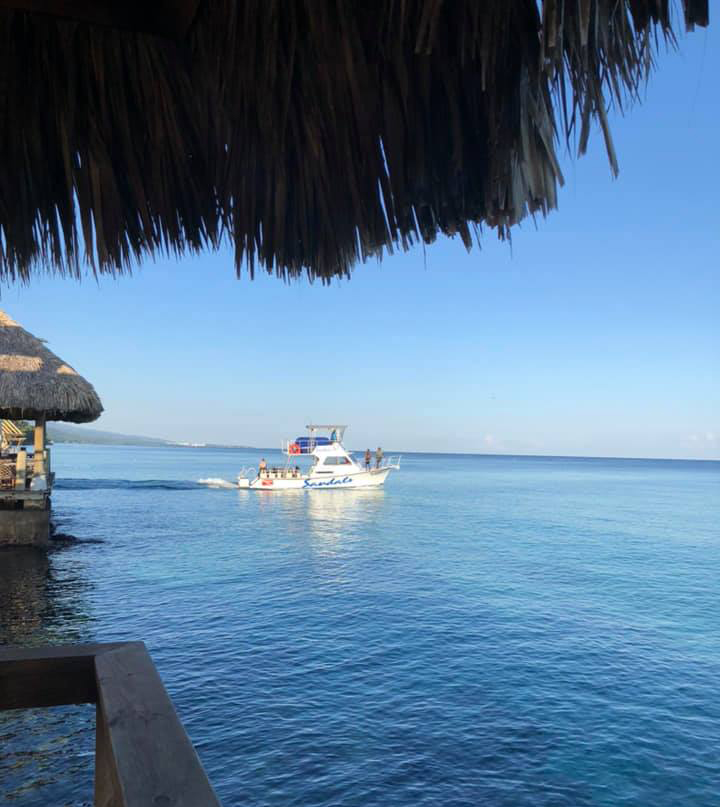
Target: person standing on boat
(378,457)
(368,457)
(333,436)
(262,466)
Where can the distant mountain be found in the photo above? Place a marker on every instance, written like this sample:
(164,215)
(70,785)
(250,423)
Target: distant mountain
(67,433)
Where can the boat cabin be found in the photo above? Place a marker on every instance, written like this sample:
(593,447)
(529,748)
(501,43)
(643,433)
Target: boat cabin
(330,458)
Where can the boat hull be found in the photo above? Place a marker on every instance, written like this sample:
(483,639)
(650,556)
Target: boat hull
(373,478)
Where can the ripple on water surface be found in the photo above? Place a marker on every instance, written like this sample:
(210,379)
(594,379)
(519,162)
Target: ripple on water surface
(520,631)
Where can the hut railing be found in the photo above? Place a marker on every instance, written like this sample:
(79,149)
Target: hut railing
(7,474)
(17,472)
(142,754)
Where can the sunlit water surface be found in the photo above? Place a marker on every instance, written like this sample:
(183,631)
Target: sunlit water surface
(486,630)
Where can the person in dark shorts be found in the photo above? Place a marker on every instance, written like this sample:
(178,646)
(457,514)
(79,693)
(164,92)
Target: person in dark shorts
(368,457)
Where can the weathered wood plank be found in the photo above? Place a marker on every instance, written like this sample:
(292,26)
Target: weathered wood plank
(49,676)
(20,469)
(142,754)
(39,436)
(107,787)
(154,760)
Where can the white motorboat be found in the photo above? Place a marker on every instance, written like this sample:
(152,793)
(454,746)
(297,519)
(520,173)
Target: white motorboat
(331,467)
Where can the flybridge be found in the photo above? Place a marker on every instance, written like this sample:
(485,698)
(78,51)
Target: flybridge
(338,429)
(307,445)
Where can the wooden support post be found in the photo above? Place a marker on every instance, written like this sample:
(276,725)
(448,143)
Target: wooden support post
(39,445)
(20,469)
(39,435)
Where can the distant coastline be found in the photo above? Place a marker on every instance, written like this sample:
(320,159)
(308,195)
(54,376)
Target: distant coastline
(69,433)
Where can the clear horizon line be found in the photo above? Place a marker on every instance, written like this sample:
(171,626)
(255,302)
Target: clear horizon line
(238,446)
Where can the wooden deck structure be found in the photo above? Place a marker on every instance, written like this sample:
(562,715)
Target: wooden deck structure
(25,489)
(35,385)
(143,756)
(26,475)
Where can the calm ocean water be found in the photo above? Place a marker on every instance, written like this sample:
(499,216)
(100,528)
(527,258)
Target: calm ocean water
(486,630)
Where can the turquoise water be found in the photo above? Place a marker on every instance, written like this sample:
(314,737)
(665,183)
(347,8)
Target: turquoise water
(495,630)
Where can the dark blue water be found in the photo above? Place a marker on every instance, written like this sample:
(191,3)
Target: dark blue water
(486,630)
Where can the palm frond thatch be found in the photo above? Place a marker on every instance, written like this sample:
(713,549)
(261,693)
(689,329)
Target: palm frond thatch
(35,383)
(314,133)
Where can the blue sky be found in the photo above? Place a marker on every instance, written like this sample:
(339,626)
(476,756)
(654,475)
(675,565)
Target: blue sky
(596,333)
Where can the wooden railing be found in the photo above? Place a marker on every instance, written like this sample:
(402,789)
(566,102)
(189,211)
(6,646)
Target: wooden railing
(7,474)
(143,756)
(17,472)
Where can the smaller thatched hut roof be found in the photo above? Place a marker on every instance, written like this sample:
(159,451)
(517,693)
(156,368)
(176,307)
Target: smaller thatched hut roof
(35,383)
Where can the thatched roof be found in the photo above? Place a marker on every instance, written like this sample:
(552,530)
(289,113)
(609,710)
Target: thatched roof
(35,383)
(313,133)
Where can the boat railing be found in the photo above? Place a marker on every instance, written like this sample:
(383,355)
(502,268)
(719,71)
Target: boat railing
(280,472)
(271,472)
(386,462)
(294,449)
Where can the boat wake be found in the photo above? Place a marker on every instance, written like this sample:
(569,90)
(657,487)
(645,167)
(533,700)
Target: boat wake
(141,484)
(123,484)
(215,482)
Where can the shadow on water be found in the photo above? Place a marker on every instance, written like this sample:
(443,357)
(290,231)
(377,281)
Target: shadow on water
(60,539)
(46,755)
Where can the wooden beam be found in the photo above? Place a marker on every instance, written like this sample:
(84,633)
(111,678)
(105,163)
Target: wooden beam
(151,756)
(48,676)
(142,754)
(38,468)
(107,787)
(167,18)
(21,469)
(39,436)
(34,497)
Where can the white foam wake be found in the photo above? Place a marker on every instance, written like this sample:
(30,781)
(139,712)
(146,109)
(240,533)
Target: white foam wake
(215,482)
